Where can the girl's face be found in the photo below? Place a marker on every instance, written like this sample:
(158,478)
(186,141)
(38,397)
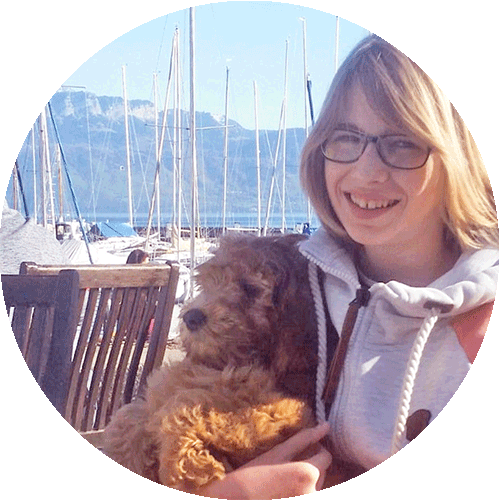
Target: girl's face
(380,206)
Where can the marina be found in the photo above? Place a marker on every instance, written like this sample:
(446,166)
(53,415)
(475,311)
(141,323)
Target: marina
(102,177)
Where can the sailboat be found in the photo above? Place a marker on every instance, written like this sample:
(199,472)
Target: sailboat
(71,233)
(278,189)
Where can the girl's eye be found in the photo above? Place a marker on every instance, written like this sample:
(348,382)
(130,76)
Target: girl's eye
(346,137)
(402,143)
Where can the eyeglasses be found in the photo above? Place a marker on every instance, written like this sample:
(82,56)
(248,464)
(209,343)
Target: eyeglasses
(395,150)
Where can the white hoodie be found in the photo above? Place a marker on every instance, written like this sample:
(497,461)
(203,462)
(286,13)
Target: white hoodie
(368,401)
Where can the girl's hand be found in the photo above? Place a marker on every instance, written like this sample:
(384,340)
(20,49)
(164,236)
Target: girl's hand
(274,474)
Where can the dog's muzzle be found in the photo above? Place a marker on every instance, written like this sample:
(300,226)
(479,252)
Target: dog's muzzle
(194,319)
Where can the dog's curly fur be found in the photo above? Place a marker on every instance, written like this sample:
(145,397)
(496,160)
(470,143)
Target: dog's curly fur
(247,381)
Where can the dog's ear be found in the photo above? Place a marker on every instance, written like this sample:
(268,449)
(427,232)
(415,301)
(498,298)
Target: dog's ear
(286,263)
(282,282)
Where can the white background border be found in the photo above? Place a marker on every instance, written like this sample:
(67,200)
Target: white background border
(43,43)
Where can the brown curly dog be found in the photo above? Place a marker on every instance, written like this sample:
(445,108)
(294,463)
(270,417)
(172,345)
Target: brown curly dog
(247,381)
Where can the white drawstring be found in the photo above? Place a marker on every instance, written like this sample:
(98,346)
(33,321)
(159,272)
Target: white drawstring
(410,377)
(411,367)
(321,318)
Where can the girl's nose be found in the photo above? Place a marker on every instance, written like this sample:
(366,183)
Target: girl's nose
(370,166)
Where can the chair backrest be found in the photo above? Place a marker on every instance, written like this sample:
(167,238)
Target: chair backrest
(124,315)
(43,312)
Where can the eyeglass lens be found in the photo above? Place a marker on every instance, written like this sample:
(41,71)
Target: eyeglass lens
(398,151)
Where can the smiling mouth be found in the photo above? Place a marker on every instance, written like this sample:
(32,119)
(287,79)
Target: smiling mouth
(370,204)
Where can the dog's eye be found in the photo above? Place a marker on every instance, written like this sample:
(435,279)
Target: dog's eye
(251,291)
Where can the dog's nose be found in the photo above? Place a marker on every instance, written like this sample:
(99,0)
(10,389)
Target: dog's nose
(194,319)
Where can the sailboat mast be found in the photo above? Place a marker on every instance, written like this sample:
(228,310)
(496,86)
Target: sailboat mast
(14,186)
(306,79)
(337,27)
(157,151)
(43,173)
(178,141)
(19,184)
(49,173)
(309,94)
(194,173)
(33,157)
(46,170)
(273,176)
(306,121)
(224,202)
(284,143)
(257,156)
(60,184)
(127,148)
(281,133)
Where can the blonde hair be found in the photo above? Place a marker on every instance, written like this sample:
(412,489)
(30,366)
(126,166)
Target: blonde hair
(406,98)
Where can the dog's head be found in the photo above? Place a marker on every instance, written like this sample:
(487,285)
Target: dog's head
(254,307)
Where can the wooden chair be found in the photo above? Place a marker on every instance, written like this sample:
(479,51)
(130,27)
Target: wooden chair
(43,312)
(124,315)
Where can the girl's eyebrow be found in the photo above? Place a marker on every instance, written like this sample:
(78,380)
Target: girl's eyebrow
(348,126)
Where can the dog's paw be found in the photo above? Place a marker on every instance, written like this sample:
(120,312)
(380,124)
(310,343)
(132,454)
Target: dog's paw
(185,460)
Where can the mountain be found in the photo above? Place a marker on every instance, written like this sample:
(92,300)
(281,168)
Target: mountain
(92,133)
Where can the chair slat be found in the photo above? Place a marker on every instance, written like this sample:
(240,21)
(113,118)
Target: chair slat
(108,276)
(144,336)
(40,336)
(125,369)
(105,366)
(159,336)
(87,299)
(116,370)
(123,316)
(43,322)
(21,321)
(55,379)
(86,395)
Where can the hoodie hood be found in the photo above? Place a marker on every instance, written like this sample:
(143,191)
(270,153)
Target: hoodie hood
(471,282)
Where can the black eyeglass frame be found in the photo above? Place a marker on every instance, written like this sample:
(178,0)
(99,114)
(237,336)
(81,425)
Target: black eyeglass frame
(375,139)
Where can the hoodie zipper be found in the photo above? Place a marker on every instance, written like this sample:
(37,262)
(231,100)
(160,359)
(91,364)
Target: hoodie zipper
(332,380)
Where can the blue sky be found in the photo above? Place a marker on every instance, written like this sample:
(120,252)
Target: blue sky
(247,37)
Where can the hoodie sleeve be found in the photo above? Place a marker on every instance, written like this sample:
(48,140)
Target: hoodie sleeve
(470,328)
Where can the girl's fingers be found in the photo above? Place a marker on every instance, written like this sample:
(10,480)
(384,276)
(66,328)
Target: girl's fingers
(274,474)
(321,461)
(288,450)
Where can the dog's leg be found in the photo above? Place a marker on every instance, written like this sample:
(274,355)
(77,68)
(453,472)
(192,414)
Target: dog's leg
(127,441)
(198,447)
(185,458)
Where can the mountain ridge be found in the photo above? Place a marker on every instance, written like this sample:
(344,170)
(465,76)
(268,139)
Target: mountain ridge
(92,133)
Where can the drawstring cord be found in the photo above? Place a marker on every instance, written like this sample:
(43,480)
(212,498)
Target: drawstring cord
(410,377)
(322,342)
(411,367)
(327,378)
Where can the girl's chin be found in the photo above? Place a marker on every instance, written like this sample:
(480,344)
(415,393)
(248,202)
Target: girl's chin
(366,233)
